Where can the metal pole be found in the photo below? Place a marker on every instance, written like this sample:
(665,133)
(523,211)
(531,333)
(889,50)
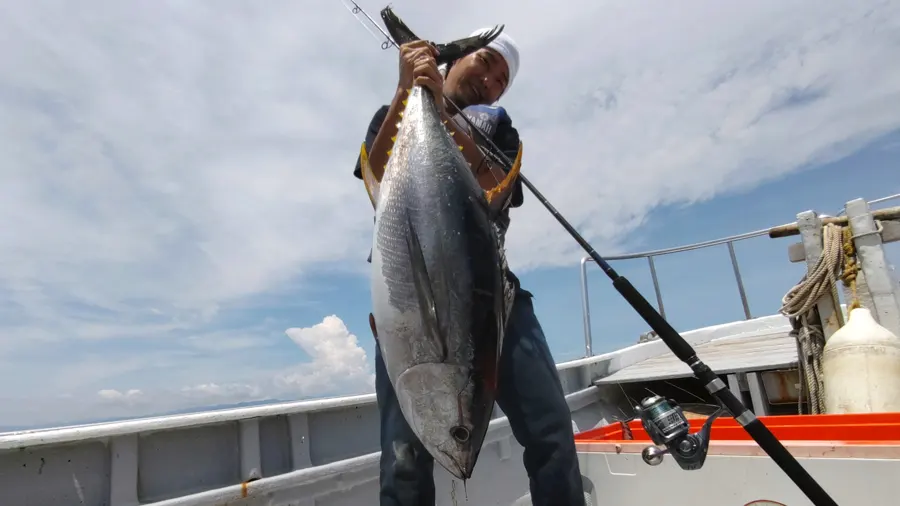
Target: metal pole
(586,310)
(662,310)
(740,282)
(870,252)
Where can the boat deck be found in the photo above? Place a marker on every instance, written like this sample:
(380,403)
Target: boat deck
(727,355)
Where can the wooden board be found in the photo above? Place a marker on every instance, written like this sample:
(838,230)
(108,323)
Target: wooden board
(725,355)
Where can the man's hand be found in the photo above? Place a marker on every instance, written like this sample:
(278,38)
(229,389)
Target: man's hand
(419,67)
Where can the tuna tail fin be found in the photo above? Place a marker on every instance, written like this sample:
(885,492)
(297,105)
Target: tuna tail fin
(452,51)
(373,186)
(397,28)
(503,186)
(447,53)
(424,292)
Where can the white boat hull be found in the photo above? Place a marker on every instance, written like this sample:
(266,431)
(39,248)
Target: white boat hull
(739,473)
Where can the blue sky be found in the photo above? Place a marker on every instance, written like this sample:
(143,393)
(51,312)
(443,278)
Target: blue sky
(187,231)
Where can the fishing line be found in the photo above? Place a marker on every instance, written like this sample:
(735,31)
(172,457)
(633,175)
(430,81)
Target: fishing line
(685,390)
(666,333)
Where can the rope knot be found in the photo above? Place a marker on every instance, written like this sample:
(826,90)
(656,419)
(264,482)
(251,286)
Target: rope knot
(850,266)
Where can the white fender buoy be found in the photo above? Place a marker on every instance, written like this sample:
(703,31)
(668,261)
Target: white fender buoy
(861,367)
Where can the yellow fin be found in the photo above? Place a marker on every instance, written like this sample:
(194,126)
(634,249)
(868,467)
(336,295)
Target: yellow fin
(372,184)
(508,180)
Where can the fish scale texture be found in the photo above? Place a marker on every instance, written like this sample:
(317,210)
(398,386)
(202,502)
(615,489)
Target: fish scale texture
(392,245)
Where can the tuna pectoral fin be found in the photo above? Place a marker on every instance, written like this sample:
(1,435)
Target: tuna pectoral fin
(425,294)
(369,179)
(502,189)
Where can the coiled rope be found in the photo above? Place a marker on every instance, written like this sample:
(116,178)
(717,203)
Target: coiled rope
(838,261)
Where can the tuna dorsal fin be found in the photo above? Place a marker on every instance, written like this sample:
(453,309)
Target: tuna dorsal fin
(504,185)
(425,294)
(373,186)
(448,52)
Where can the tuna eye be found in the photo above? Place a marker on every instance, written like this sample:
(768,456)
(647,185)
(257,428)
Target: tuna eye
(460,434)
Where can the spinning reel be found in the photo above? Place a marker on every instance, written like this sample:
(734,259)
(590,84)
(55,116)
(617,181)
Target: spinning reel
(669,429)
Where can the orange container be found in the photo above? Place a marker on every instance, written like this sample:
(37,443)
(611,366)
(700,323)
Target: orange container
(852,429)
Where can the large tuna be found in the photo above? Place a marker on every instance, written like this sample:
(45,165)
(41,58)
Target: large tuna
(440,296)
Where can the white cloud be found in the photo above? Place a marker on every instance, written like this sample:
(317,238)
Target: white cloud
(163,163)
(115,395)
(337,366)
(337,359)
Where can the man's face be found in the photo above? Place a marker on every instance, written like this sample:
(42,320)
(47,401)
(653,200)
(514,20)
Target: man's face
(478,78)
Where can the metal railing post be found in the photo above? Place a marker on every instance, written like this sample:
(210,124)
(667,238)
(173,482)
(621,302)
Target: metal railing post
(586,309)
(740,282)
(659,302)
(649,255)
(881,283)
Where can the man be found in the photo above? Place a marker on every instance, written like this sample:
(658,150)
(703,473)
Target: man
(530,393)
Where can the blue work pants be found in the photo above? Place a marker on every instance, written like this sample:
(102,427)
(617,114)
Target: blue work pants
(531,396)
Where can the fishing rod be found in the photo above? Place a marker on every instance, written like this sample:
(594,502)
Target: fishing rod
(689,450)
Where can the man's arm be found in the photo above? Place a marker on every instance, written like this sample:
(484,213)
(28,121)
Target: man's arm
(507,139)
(470,150)
(491,170)
(374,127)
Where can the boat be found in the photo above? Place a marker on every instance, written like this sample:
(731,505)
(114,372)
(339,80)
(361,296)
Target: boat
(326,452)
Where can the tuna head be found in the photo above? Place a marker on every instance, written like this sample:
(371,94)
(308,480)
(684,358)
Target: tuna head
(448,412)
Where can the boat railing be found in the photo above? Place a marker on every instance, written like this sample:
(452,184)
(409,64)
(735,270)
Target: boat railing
(650,255)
